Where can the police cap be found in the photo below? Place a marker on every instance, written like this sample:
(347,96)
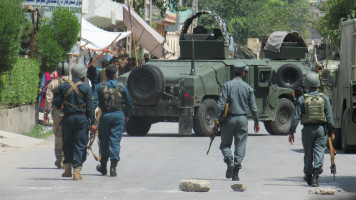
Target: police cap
(240,67)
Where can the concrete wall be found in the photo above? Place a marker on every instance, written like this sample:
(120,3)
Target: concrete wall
(20,119)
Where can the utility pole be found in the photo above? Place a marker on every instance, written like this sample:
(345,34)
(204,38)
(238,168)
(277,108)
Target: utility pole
(147,13)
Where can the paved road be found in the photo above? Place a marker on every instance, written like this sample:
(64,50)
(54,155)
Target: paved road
(152,167)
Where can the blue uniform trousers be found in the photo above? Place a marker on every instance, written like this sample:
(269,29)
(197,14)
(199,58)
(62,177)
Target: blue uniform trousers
(111,128)
(314,141)
(75,129)
(234,128)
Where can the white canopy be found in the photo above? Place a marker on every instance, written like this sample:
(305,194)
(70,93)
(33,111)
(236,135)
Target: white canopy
(93,37)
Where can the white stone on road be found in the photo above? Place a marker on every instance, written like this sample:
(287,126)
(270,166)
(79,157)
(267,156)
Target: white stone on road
(195,185)
(238,187)
(323,191)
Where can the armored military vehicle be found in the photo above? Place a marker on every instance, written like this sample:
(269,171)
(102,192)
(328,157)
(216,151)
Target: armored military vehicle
(186,90)
(344,92)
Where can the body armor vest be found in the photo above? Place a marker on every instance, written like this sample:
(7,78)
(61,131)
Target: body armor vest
(314,110)
(111,98)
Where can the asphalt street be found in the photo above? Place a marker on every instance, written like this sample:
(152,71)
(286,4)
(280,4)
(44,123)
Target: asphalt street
(152,167)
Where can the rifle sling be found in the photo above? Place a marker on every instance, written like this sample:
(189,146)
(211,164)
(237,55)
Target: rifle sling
(75,88)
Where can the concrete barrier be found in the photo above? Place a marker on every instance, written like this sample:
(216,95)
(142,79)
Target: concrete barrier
(19,119)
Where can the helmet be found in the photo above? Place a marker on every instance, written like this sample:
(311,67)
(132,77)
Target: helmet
(63,69)
(312,80)
(79,71)
(240,67)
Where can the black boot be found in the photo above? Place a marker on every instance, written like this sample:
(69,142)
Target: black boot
(102,168)
(113,168)
(235,175)
(230,168)
(314,181)
(308,179)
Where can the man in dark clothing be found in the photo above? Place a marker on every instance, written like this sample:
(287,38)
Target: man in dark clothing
(78,108)
(115,103)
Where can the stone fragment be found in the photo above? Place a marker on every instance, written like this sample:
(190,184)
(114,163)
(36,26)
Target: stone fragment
(323,191)
(238,187)
(195,185)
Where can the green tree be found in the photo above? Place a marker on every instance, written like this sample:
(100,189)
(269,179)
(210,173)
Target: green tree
(258,18)
(335,11)
(56,37)
(12,19)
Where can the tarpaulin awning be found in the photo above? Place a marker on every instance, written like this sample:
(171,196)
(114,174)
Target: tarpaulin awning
(146,36)
(170,19)
(93,37)
(276,39)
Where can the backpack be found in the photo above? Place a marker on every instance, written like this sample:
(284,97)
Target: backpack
(111,97)
(314,110)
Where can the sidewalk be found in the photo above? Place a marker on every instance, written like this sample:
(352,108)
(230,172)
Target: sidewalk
(15,140)
(9,139)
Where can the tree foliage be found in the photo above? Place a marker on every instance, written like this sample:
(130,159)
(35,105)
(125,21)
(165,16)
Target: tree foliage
(162,5)
(258,18)
(56,38)
(19,85)
(12,19)
(335,11)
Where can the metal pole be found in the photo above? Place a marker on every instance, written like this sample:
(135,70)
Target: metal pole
(133,35)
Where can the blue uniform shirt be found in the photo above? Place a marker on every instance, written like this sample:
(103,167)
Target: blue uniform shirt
(112,83)
(74,99)
(242,99)
(299,110)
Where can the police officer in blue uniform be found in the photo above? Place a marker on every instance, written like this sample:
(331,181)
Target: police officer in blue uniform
(78,107)
(115,103)
(314,110)
(235,125)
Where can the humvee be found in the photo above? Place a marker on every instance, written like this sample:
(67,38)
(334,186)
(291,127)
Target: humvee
(186,90)
(343,95)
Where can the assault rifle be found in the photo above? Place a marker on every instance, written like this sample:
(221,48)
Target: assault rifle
(332,155)
(92,139)
(221,119)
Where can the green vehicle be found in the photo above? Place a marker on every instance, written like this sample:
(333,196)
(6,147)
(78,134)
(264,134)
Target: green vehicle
(186,90)
(344,92)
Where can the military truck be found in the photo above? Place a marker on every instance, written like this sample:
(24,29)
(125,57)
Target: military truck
(186,90)
(344,93)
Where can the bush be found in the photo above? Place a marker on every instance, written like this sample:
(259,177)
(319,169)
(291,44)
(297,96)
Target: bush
(19,86)
(39,131)
(12,18)
(56,38)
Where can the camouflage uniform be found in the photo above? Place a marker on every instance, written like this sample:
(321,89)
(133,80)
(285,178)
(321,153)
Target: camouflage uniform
(57,116)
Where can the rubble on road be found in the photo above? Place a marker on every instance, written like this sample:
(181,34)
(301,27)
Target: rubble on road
(238,187)
(323,191)
(195,185)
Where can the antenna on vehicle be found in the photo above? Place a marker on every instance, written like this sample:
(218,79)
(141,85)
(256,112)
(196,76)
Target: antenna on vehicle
(192,68)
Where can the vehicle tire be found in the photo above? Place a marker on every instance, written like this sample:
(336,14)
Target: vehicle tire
(203,120)
(345,147)
(138,126)
(146,84)
(289,76)
(283,120)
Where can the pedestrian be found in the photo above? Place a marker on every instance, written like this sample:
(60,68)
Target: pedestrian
(314,111)
(115,103)
(46,78)
(57,114)
(235,126)
(78,108)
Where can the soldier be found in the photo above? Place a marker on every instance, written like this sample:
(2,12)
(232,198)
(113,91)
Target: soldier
(115,102)
(315,112)
(77,100)
(235,126)
(57,114)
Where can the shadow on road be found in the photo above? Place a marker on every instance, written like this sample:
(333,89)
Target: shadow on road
(345,183)
(38,168)
(177,135)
